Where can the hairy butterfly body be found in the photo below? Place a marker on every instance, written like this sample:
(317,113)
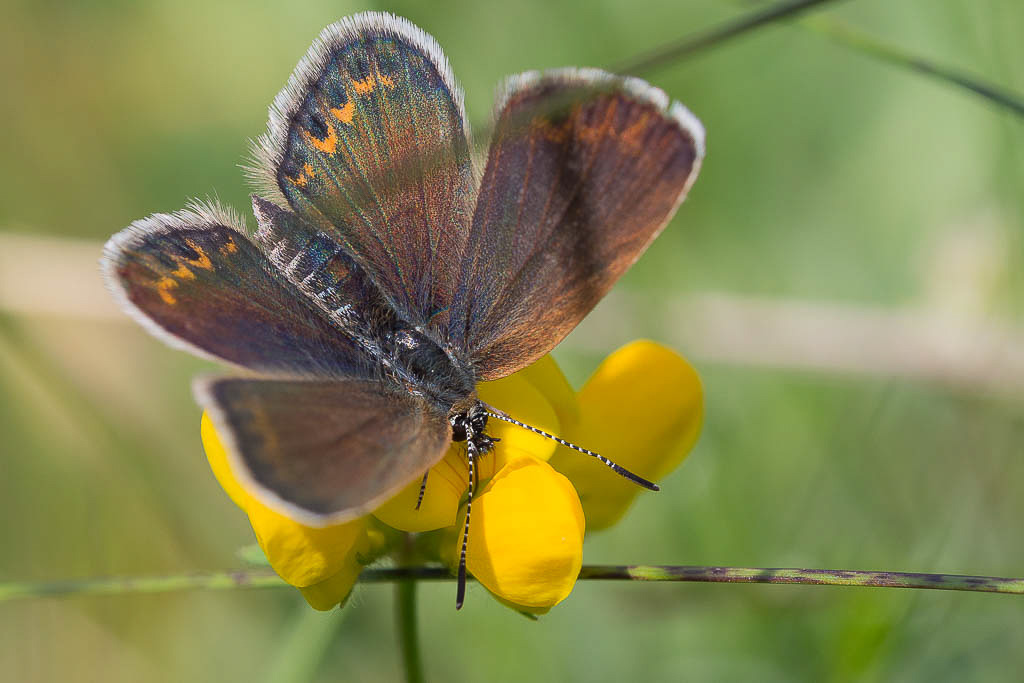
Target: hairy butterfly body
(389,275)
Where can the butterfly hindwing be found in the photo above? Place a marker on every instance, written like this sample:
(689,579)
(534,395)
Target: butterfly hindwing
(368,144)
(584,170)
(196,281)
(323,452)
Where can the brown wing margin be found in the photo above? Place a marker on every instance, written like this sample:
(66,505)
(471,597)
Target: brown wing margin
(323,452)
(584,170)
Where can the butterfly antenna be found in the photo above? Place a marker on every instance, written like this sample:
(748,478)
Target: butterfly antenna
(618,469)
(423,489)
(471,455)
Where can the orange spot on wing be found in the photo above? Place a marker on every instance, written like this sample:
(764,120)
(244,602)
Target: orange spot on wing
(201,261)
(346,112)
(387,81)
(229,247)
(183,272)
(164,287)
(307,173)
(328,144)
(365,86)
(168,282)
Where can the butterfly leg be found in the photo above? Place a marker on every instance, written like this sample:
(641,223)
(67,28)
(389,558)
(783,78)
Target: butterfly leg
(423,489)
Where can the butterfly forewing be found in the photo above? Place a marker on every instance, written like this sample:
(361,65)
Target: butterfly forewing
(323,451)
(196,281)
(584,170)
(368,143)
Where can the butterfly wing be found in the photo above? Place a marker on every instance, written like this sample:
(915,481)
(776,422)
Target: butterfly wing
(323,452)
(584,170)
(368,144)
(197,282)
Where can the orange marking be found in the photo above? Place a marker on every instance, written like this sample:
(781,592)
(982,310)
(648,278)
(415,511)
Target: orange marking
(307,173)
(164,287)
(183,272)
(229,247)
(168,282)
(201,261)
(365,86)
(346,112)
(328,144)
(386,81)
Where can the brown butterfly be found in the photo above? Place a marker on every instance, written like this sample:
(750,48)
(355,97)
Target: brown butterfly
(388,276)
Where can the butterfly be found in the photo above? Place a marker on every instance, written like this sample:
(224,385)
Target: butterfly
(390,271)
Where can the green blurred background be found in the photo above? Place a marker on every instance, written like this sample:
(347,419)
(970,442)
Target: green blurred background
(847,276)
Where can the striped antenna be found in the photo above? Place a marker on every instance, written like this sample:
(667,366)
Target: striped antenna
(618,469)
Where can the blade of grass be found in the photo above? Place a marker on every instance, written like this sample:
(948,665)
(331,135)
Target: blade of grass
(861,42)
(687,47)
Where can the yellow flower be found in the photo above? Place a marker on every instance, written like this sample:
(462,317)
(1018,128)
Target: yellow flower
(642,408)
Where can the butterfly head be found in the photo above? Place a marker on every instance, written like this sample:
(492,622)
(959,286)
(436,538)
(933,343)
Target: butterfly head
(469,426)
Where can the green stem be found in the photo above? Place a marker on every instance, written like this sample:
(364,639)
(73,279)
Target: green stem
(819,577)
(868,45)
(15,590)
(118,585)
(671,52)
(408,632)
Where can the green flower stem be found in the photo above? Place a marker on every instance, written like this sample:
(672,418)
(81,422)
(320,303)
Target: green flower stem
(259,578)
(408,632)
(864,43)
(819,577)
(405,609)
(118,585)
(671,52)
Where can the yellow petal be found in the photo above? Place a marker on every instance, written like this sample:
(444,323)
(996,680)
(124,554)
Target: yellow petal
(526,535)
(301,555)
(642,408)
